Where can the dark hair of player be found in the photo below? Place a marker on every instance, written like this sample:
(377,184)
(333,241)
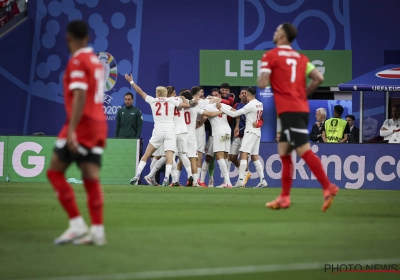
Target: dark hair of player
(195,90)
(225,85)
(186,94)
(338,109)
(170,89)
(290,31)
(251,90)
(130,94)
(351,117)
(78,29)
(217,90)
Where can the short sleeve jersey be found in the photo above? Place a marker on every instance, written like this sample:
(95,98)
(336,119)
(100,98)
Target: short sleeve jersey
(219,123)
(253,112)
(190,116)
(85,72)
(163,109)
(180,125)
(287,70)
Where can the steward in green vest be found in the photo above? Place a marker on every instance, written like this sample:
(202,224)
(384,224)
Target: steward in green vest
(336,129)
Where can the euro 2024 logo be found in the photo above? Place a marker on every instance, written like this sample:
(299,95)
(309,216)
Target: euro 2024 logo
(110,78)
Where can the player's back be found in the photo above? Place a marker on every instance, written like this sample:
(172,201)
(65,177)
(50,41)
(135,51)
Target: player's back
(287,78)
(254,111)
(190,116)
(84,71)
(219,123)
(163,112)
(179,119)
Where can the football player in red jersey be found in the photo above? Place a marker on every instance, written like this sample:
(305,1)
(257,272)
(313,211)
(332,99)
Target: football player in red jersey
(286,70)
(82,138)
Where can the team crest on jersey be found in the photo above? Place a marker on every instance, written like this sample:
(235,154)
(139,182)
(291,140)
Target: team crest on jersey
(110,70)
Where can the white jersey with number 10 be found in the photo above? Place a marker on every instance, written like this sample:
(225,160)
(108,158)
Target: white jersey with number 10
(190,116)
(180,125)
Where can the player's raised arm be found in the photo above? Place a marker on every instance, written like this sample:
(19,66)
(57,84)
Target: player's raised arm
(316,78)
(129,78)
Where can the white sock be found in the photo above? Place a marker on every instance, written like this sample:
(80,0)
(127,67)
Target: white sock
(153,162)
(157,166)
(97,230)
(194,177)
(224,170)
(186,163)
(173,171)
(77,222)
(178,175)
(198,170)
(168,168)
(242,168)
(259,169)
(140,168)
(204,169)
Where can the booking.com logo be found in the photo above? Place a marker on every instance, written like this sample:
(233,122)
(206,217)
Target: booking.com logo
(342,166)
(354,171)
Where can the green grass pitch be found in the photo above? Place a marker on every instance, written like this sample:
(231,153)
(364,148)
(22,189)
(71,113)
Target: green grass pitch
(152,229)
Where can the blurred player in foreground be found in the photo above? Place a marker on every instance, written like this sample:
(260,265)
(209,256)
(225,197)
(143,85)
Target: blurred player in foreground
(82,138)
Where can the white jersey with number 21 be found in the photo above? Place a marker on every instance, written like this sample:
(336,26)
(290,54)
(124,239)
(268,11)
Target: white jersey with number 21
(163,112)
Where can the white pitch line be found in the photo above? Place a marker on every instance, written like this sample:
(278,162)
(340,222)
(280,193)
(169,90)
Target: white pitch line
(217,271)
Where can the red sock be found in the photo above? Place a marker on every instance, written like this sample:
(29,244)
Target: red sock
(316,167)
(287,174)
(65,193)
(95,200)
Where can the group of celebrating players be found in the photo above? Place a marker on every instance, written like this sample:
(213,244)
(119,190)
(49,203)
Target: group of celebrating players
(178,129)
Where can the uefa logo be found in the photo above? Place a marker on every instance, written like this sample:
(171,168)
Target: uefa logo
(110,70)
(267,92)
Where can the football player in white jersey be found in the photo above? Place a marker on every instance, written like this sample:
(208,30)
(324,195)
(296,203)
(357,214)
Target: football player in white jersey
(252,135)
(190,116)
(198,94)
(164,127)
(220,141)
(181,131)
(215,96)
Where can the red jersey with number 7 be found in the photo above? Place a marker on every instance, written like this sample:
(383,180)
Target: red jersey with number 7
(85,72)
(287,70)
